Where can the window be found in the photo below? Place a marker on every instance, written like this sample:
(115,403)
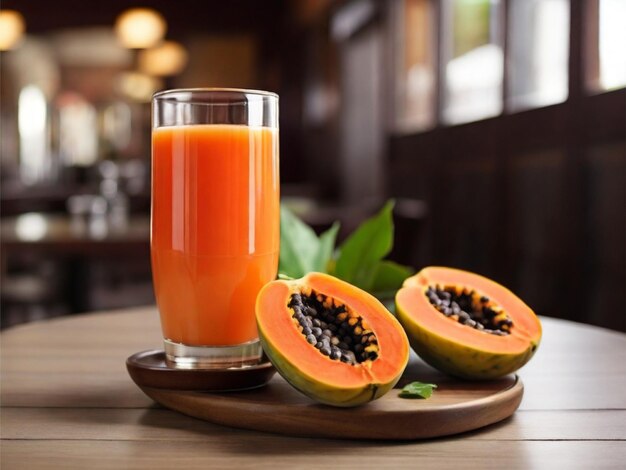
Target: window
(538,50)
(606,69)
(415,99)
(32,118)
(451,58)
(472,60)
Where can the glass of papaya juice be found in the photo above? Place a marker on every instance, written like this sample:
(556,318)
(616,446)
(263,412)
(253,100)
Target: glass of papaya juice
(214,221)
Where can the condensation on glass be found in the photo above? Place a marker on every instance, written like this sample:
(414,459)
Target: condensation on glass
(472,60)
(538,51)
(413,23)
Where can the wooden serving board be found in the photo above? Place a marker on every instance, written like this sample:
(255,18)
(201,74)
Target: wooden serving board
(456,406)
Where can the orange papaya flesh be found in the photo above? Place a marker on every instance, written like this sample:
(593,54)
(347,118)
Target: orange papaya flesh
(494,334)
(361,359)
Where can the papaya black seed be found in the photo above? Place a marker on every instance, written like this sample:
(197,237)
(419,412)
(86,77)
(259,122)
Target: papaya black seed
(469,308)
(332,329)
(296,301)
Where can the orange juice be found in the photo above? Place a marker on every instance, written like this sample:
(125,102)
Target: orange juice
(215,229)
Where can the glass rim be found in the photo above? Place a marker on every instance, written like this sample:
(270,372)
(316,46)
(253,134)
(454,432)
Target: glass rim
(164,94)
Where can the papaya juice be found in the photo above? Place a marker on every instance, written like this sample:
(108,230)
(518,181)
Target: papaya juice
(215,229)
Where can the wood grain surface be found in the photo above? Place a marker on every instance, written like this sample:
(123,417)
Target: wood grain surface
(67,402)
(455,407)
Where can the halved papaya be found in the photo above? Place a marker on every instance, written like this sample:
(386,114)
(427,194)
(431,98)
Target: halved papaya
(465,324)
(331,340)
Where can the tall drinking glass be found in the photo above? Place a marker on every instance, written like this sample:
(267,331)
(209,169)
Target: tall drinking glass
(215,220)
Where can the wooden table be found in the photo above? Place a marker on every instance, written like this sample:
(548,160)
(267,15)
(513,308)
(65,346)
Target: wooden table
(67,402)
(70,248)
(59,234)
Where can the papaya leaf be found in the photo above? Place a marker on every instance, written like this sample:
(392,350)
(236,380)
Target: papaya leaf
(417,390)
(368,244)
(299,246)
(389,278)
(325,249)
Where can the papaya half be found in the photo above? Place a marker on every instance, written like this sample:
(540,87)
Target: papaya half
(331,340)
(465,324)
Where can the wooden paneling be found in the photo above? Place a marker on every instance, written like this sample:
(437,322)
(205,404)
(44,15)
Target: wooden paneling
(533,199)
(604,253)
(537,228)
(466,219)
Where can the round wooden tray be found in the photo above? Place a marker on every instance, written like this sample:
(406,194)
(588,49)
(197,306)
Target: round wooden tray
(456,406)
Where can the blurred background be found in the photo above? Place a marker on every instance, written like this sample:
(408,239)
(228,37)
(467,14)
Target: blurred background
(498,125)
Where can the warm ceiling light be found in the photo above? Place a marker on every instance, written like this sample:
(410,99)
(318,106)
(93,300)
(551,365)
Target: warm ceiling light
(11,29)
(138,86)
(139,28)
(168,58)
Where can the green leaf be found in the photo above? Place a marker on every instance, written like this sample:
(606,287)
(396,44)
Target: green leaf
(299,245)
(361,252)
(325,248)
(417,390)
(389,278)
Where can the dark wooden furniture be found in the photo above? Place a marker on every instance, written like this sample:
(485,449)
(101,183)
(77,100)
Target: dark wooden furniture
(52,265)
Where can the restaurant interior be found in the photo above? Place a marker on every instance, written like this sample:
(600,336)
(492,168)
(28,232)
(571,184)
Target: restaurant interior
(498,127)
